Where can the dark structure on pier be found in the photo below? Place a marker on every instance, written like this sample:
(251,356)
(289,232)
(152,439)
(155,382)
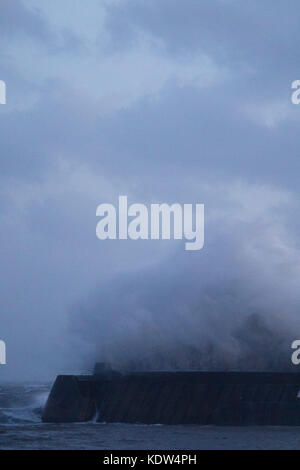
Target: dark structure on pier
(221,398)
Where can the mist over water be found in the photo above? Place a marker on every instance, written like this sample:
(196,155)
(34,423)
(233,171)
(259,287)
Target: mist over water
(232,306)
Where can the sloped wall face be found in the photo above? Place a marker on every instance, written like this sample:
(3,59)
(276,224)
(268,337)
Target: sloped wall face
(177,398)
(70,400)
(200,398)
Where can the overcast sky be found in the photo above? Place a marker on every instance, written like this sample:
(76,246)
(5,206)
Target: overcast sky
(162,101)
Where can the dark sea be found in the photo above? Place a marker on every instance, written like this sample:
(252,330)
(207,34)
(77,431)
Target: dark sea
(21,428)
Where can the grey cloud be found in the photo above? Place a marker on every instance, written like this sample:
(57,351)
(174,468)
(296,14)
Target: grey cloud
(17,20)
(232,28)
(260,36)
(61,155)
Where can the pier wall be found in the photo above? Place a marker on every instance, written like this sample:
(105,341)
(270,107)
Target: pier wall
(221,398)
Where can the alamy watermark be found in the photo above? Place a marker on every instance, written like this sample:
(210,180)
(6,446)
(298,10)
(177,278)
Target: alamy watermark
(296,354)
(162,221)
(2,92)
(2,343)
(2,353)
(296,94)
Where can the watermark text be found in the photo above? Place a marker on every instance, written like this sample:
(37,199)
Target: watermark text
(2,92)
(2,353)
(296,94)
(161,221)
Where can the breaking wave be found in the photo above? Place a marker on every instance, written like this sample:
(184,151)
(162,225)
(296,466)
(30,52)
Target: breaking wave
(22,404)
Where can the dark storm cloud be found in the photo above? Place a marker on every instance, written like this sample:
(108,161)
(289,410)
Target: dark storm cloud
(16,21)
(199,130)
(258,35)
(19,23)
(188,127)
(143,114)
(231,29)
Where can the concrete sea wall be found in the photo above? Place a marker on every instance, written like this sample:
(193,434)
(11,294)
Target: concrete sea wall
(222,398)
